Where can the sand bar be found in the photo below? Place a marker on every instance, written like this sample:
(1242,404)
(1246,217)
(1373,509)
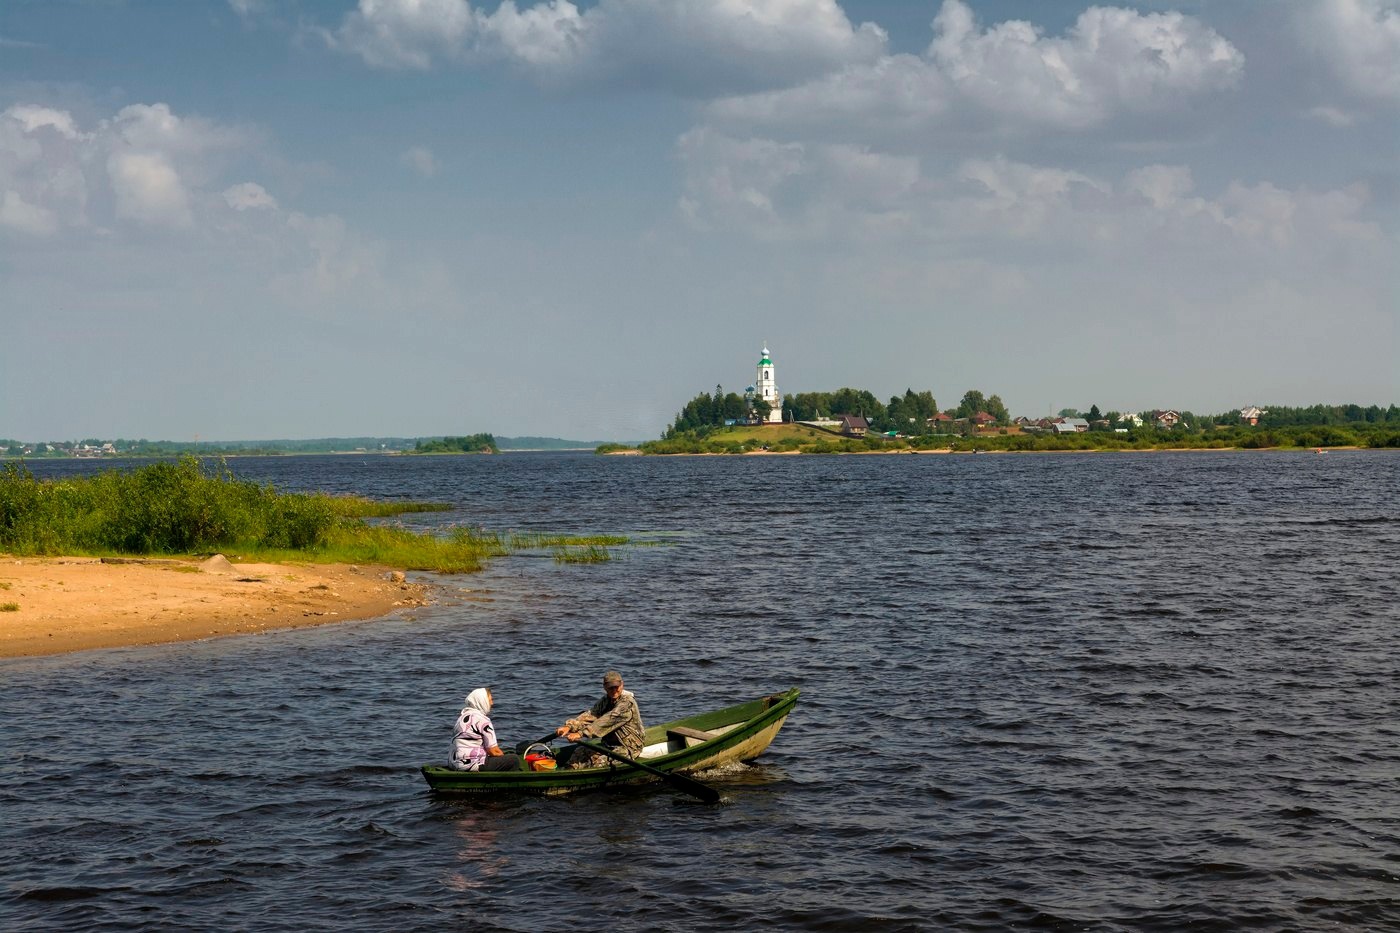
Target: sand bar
(54,605)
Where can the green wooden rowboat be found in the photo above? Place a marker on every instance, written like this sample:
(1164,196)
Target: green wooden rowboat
(735,733)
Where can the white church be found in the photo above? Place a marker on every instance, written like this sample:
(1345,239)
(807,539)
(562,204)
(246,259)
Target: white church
(767,388)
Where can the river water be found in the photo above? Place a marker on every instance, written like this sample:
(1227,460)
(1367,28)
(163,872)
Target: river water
(1138,691)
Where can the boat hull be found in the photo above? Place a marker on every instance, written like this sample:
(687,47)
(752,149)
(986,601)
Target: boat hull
(709,740)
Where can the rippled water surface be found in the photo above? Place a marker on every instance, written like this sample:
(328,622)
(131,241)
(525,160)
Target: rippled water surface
(1125,691)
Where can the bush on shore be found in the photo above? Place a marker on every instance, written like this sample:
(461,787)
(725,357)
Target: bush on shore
(191,508)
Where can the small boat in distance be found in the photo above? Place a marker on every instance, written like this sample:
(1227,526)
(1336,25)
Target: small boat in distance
(708,740)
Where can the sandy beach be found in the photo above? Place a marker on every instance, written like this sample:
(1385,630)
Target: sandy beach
(60,604)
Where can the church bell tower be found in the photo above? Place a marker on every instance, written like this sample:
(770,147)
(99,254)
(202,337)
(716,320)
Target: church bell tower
(767,388)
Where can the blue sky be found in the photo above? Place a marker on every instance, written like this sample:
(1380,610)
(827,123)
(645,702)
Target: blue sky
(241,219)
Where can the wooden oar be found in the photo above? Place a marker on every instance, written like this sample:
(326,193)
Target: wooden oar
(678,781)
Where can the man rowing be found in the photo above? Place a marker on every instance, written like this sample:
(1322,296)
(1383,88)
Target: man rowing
(614,719)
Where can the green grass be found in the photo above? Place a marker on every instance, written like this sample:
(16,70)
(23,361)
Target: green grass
(356,507)
(9,607)
(590,554)
(192,508)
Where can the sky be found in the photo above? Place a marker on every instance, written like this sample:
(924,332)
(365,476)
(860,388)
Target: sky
(251,219)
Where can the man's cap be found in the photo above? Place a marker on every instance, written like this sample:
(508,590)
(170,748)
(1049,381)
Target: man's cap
(612,679)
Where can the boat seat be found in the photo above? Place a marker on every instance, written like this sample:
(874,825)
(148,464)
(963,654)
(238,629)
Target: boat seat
(681,733)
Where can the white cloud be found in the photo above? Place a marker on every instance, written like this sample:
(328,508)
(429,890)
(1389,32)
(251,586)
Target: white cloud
(694,47)
(1162,186)
(421,160)
(778,190)
(774,190)
(249,196)
(547,37)
(1359,40)
(42,164)
(8,43)
(146,170)
(1110,61)
(904,91)
(1332,116)
(145,165)
(192,141)
(1014,199)
(405,33)
(733,181)
(148,189)
(32,118)
(342,263)
(20,215)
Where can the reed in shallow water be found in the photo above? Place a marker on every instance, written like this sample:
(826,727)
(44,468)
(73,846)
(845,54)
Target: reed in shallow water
(589,554)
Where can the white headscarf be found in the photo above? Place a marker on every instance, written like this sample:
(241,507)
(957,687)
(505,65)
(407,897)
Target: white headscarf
(479,701)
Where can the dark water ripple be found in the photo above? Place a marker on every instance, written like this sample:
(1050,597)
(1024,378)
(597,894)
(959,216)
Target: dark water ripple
(1142,692)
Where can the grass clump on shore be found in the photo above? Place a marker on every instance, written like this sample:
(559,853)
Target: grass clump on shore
(190,508)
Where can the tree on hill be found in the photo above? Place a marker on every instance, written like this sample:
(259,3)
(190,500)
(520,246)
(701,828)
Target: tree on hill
(806,406)
(809,406)
(974,401)
(706,411)
(910,413)
(848,401)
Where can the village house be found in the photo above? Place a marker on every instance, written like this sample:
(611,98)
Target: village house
(854,425)
(1034,425)
(940,423)
(1166,418)
(1251,415)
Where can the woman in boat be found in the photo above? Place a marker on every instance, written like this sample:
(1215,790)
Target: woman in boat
(474,745)
(615,719)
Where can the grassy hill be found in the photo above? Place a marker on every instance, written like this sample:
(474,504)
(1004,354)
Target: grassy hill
(770,434)
(780,438)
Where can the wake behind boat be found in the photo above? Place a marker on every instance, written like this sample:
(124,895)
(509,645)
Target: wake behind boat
(707,740)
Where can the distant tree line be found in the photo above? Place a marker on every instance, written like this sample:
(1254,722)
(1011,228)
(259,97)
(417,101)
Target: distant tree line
(146,448)
(471,444)
(1278,416)
(124,447)
(910,413)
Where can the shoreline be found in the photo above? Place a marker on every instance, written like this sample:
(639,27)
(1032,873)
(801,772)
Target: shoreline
(68,604)
(632,452)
